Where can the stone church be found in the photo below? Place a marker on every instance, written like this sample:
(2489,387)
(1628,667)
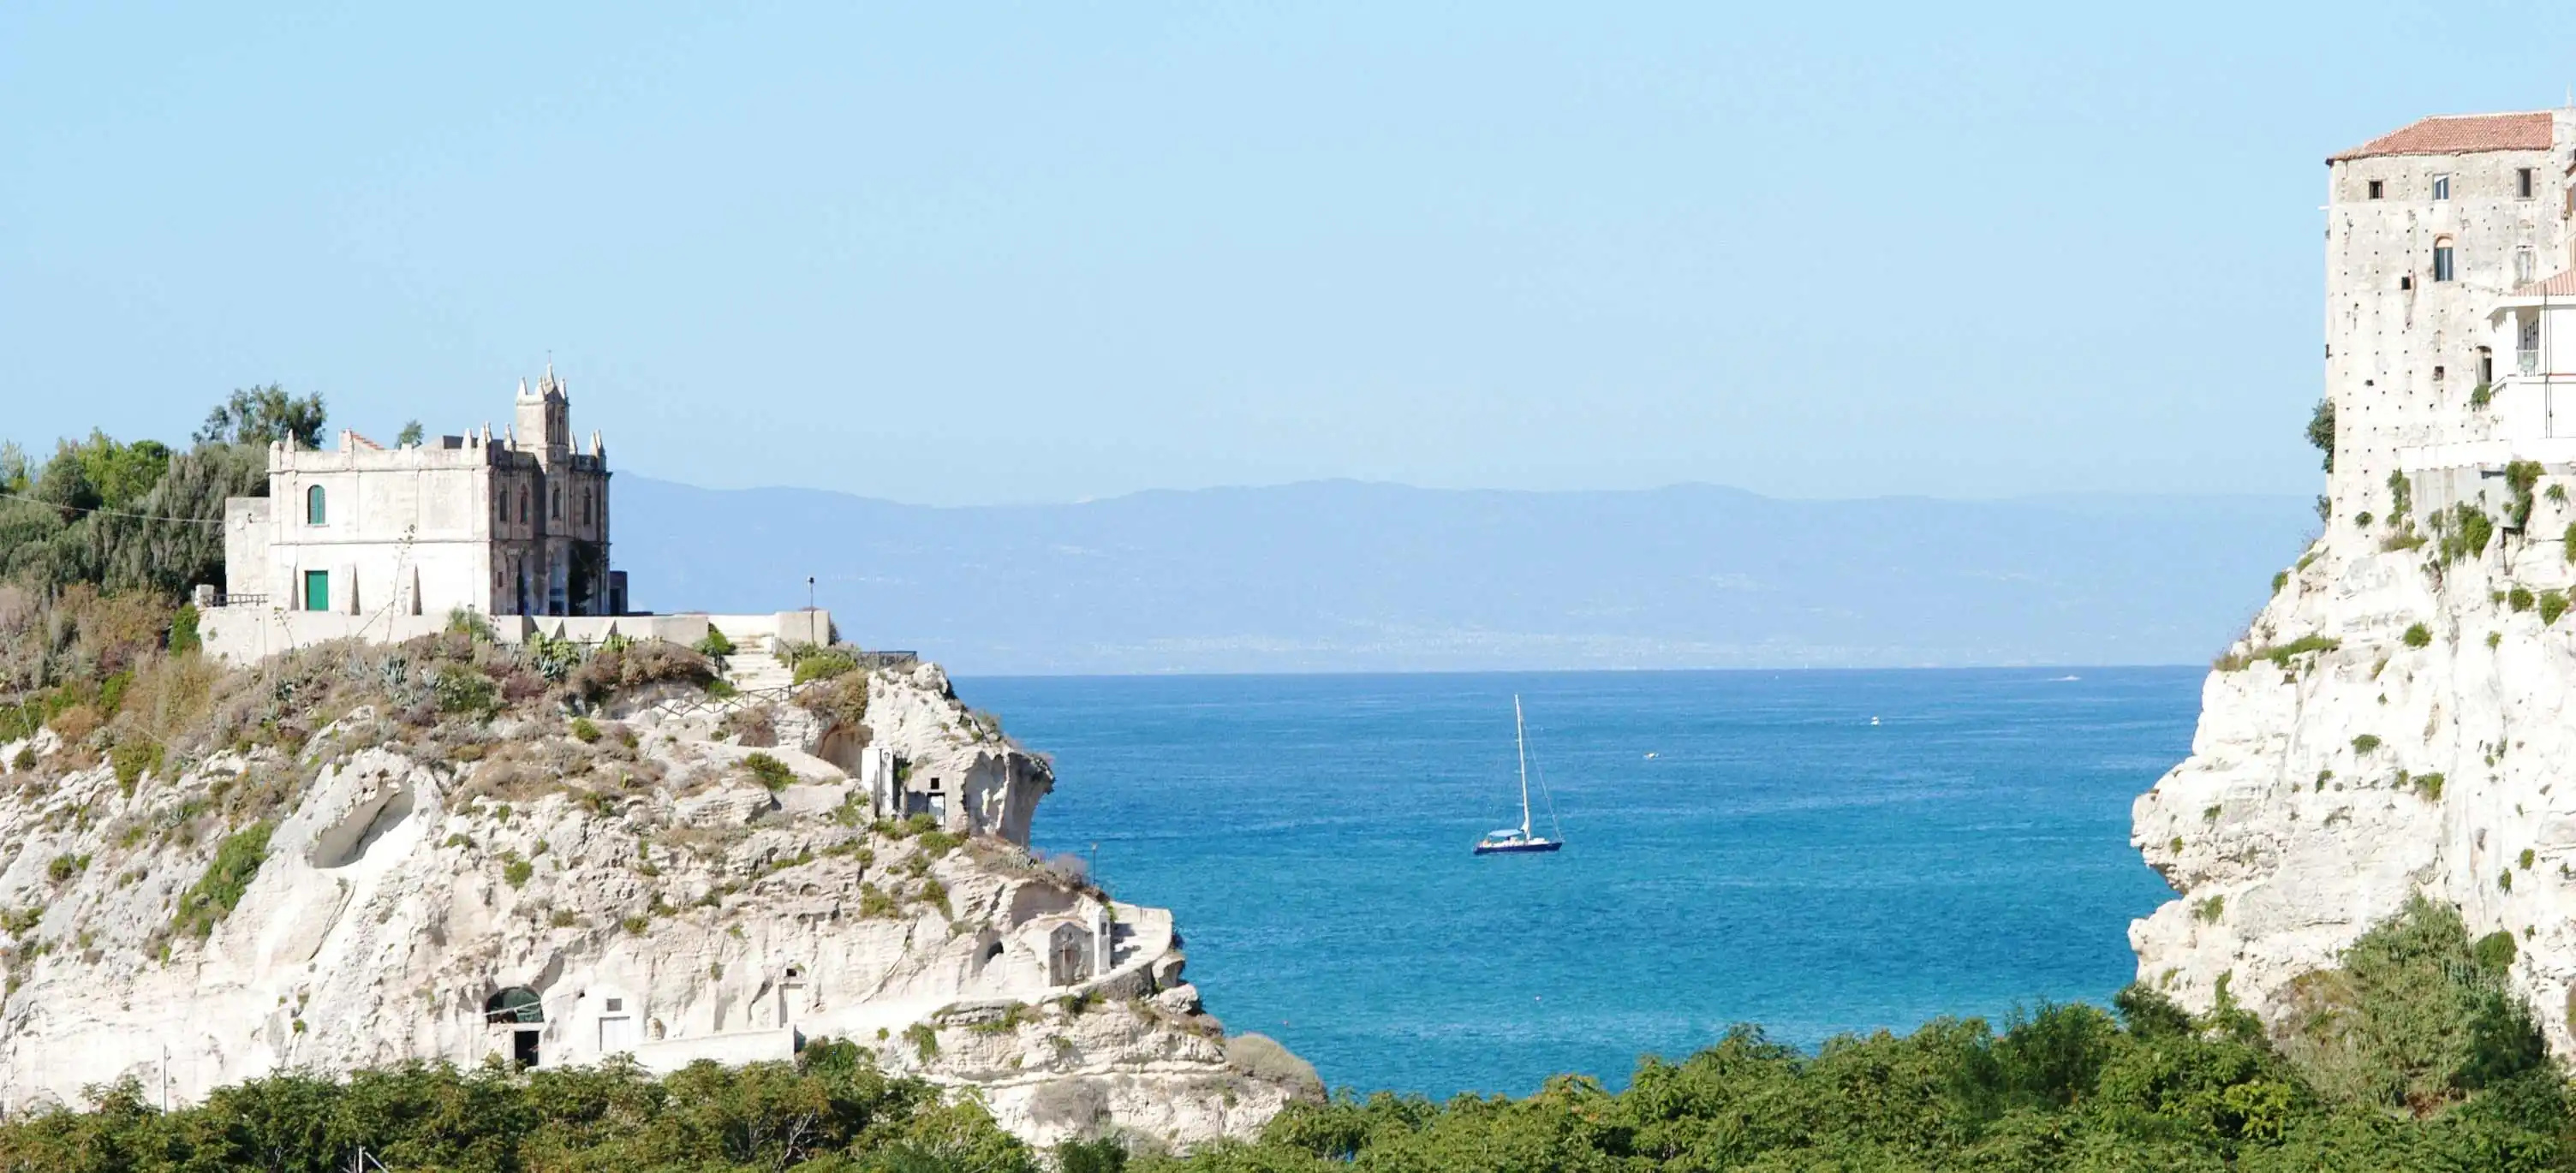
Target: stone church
(509,525)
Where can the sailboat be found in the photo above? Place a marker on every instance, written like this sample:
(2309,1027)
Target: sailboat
(1519,839)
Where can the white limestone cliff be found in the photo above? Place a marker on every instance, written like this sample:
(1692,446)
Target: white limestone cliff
(540,889)
(2325,786)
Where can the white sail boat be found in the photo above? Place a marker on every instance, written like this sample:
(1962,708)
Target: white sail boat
(1511,840)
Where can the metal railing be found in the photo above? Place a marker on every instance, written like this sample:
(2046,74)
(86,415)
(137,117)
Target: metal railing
(740,698)
(2527,360)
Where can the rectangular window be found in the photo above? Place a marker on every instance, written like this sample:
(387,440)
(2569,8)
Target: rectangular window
(2442,263)
(317,590)
(2441,187)
(2522,181)
(2378,188)
(2437,374)
(2526,265)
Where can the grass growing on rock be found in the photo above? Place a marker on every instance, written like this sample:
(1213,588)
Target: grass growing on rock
(2279,655)
(237,860)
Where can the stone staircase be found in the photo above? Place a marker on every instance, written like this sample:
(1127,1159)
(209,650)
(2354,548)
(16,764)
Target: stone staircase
(754,665)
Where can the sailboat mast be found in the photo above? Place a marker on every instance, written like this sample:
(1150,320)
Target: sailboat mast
(1520,743)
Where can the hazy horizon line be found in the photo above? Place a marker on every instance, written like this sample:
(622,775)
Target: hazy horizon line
(2038,497)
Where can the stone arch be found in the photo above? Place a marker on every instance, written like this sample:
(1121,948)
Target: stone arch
(519,1012)
(514,1006)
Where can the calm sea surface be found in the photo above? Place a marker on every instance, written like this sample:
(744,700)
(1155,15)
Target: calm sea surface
(1741,847)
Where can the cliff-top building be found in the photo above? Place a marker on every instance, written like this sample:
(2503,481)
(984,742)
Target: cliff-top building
(2447,251)
(384,543)
(513,525)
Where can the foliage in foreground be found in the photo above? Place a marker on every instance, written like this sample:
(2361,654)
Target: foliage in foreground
(2413,1055)
(831,1110)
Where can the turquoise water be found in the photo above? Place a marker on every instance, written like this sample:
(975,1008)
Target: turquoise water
(1779,859)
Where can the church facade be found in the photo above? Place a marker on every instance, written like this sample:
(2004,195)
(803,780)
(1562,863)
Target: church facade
(516,524)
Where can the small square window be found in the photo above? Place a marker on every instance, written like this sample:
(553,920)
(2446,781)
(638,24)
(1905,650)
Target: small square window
(2378,188)
(2441,187)
(2437,374)
(616,1004)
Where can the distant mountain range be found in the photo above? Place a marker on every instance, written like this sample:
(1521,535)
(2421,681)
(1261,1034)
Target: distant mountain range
(1350,576)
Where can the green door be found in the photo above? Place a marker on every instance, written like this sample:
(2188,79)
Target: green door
(317,590)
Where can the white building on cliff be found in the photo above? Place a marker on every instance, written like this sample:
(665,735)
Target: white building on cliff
(2450,308)
(384,543)
(514,525)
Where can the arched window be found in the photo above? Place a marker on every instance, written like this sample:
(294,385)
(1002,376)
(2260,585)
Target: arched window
(2441,258)
(314,511)
(554,503)
(514,1005)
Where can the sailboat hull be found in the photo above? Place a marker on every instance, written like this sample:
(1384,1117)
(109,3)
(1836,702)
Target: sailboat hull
(1523,847)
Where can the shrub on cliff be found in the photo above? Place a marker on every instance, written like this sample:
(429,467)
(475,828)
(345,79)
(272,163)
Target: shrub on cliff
(2465,532)
(2415,1018)
(2520,478)
(614,669)
(813,663)
(768,771)
(1261,1057)
(237,860)
(841,699)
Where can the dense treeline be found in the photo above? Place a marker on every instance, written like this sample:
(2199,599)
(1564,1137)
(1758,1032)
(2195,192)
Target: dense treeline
(2413,1055)
(140,516)
(830,1110)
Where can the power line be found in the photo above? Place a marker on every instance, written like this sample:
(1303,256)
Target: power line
(113,512)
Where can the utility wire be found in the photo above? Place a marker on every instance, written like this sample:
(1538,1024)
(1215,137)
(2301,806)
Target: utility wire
(113,512)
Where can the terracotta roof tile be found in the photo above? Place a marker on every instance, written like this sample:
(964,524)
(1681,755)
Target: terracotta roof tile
(2459,134)
(2562,285)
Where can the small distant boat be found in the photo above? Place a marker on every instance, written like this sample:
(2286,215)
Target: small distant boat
(1516,840)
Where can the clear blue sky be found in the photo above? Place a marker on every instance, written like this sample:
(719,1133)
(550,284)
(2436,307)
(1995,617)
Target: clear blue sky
(967,254)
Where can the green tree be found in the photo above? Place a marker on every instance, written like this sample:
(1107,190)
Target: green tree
(263,416)
(2321,430)
(411,434)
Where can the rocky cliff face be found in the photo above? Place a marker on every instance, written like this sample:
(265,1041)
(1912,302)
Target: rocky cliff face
(403,884)
(2395,721)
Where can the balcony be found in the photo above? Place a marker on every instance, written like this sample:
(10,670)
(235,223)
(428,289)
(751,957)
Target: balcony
(2527,360)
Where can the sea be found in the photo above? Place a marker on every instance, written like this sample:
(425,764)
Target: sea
(1814,852)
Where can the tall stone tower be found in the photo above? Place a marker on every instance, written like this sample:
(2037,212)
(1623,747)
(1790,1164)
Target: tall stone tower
(2426,228)
(545,418)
